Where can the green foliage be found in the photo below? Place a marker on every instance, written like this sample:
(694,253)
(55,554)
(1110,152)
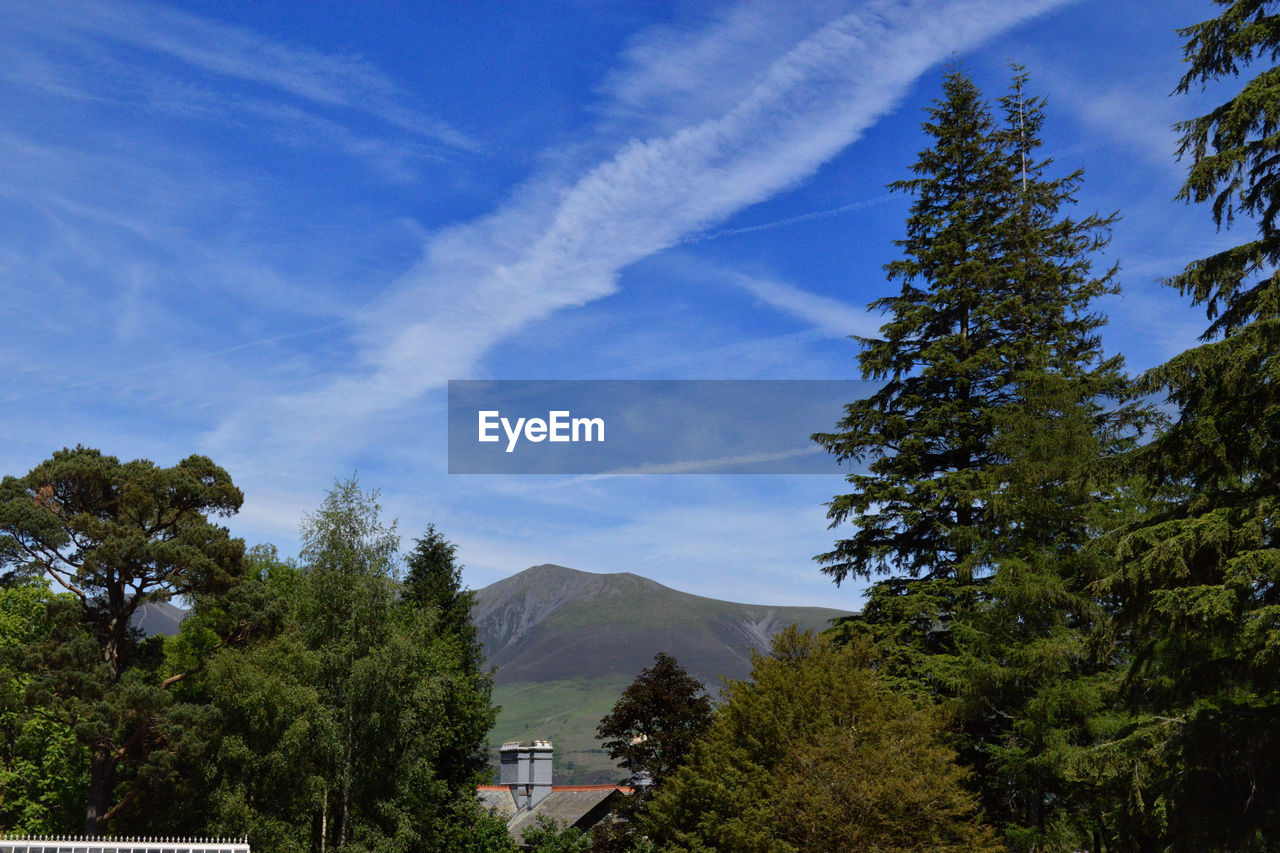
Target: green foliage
(814,753)
(655,721)
(922,434)
(44,770)
(650,732)
(1031,671)
(115,536)
(1197,580)
(434,579)
(995,283)
(550,836)
(987,454)
(362,720)
(472,830)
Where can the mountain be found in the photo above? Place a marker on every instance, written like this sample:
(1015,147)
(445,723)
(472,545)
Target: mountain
(550,623)
(158,617)
(566,643)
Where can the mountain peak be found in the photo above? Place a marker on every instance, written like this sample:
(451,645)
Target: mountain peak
(550,622)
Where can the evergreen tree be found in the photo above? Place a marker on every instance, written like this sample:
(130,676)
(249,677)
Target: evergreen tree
(985,453)
(923,434)
(1198,580)
(1031,675)
(117,536)
(996,286)
(433,593)
(433,581)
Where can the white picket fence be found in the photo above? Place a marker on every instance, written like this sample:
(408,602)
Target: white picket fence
(80,844)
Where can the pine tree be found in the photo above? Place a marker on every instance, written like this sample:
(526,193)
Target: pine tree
(995,285)
(1198,580)
(986,452)
(924,431)
(116,536)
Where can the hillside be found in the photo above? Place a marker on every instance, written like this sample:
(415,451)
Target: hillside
(158,617)
(565,644)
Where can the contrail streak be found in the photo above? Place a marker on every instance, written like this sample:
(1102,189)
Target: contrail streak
(791,220)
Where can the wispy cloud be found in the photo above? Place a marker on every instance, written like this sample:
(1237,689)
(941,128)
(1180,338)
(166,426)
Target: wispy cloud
(790,220)
(562,242)
(211,47)
(830,315)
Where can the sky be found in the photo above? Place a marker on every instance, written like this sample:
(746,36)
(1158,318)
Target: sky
(271,233)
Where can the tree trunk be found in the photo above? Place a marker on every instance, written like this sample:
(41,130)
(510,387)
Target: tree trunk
(324,818)
(101,779)
(346,800)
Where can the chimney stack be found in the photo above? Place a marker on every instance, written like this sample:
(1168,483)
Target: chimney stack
(526,771)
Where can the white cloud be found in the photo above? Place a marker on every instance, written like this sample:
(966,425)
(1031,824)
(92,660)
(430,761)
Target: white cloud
(325,79)
(830,315)
(559,243)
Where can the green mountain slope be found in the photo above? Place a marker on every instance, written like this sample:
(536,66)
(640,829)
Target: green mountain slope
(565,644)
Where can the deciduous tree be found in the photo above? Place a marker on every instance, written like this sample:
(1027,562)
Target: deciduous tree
(655,722)
(815,753)
(44,769)
(361,724)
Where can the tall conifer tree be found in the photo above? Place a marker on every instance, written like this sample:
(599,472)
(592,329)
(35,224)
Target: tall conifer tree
(984,452)
(1027,677)
(996,285)
(1198,581)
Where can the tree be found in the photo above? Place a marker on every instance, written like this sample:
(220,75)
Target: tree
(655,722)
(995,283)
(986,454)
(548,835)
(996,286)
(116,536)
(1032,669)
(433,589)
(815,753)
(1197,583)
(434,580)
(923,432)
(361,724)
(461,701)
(44,770)
(649,732)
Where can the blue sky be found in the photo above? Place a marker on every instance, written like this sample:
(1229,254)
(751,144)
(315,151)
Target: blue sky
(271,232)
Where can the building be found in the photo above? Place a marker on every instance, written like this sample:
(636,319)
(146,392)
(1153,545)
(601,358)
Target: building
(525,792)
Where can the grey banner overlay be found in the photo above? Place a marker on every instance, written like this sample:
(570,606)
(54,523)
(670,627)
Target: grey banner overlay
(645,426)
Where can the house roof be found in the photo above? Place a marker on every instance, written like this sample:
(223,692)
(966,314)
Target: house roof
(582,806)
